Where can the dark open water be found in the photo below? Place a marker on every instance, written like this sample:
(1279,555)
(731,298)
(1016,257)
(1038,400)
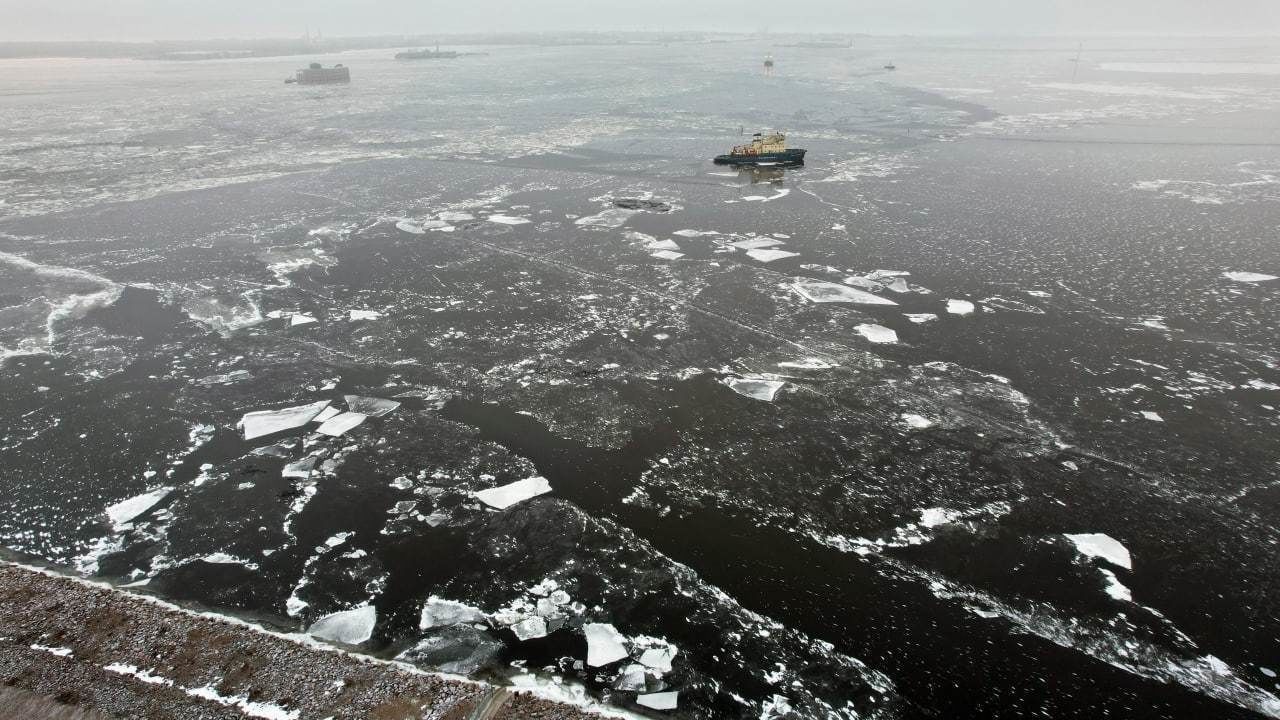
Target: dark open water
(886,537)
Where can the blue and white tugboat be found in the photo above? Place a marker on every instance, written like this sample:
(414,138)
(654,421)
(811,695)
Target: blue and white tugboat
(768,149)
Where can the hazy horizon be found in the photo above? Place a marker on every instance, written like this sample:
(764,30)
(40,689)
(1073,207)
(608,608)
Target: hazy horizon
(148,20)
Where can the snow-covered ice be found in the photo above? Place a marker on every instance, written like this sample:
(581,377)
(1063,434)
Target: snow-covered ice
(349,626)
(1103,547)
(267,422)
(338,425)
(507,495)
(604,644)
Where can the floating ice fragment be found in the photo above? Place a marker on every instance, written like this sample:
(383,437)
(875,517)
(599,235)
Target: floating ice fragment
(658,701)
(667,255)
(455,217)
(370,406)
(916,422)
(507,495)
(1152,416)
(828,292)
(756,388)
(300,469)
(756,243)
(631,678)
(267,422)
(1249,277)
(349,626)
(960,307)
(767,256)
(530,628)
(1115,588)
(921,318)
(124,512)
(326,413)
(695,233)
(1103,547)
(508,220)
(611,218)
(1261,385)
(438,612)
(807,364)
(357,315)
(604,644)
(899,286)
(658,659)
(301,319)
(878,334)
(338,425)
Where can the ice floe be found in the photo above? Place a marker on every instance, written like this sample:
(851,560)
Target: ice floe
(358,315)
(505,496)
(767,256)
(756,388)
(659,700)
(604,644)
(530,628)
(667,255)
(1249,277)
(125,511)
(349,626)
(508,220)
(878,334)
(916,422)
(662,245)
(326,413)
(819,291)
(1103,547)
(756,243)
(301,319)
(960,307)
(807,364)
(370,406)
(695,233)
(438,612)
(338,425)
(611,218)
(921,318)
(1152,416)
(267,422)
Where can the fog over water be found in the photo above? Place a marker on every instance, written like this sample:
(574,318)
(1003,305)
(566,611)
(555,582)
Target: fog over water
(161,19)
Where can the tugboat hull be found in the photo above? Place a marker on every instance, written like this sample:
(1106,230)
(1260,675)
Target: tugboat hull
(787,157)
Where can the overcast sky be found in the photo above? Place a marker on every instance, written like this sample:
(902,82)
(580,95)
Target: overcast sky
(186,19)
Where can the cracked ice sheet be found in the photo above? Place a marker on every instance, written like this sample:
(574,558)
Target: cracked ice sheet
(351,627)
(505,496)
(267,422)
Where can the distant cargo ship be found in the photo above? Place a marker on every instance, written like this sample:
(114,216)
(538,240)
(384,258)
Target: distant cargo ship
(768,149)
(316,74)
(426,54)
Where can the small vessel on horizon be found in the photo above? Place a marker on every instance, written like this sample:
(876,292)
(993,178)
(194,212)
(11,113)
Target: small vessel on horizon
(316,74)
(763,149)
(427,54)
(890,66)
